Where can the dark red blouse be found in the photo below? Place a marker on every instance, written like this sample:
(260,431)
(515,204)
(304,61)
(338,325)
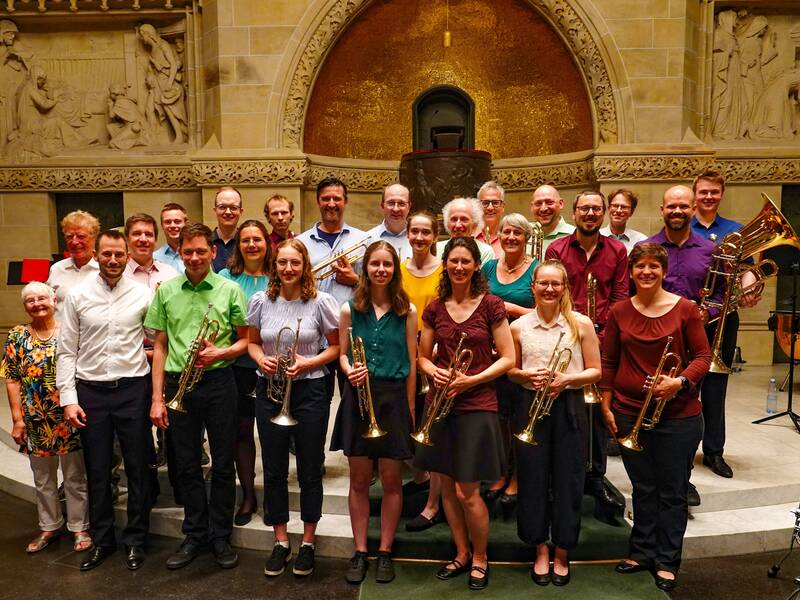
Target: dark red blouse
(478,328)
(633,346)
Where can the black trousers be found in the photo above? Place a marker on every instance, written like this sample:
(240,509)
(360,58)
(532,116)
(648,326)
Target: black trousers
(659,475)
(557,463)
(311,407)
(715,387)
(212,404)
(122,411)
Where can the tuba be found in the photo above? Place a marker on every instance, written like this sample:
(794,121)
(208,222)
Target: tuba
(324,269)
(643,421)
(542,402)
(365,405)
(279,387)
(537,241)
(191,374)
(441,405)
(767,230)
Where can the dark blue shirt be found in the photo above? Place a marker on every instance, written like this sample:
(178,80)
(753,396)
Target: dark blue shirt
(224,250)
(719,228)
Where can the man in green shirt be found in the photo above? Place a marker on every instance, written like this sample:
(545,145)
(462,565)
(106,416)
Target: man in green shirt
(176,314)
(546,206)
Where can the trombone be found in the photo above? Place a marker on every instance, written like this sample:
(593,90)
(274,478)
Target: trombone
(279,387)
(542,401)
(324,270)
(365,405)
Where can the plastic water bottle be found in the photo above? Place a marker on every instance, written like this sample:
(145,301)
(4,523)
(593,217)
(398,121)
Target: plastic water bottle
(772,397)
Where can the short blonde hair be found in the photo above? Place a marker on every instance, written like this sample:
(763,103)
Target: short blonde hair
(81,218)
(38,287)
(517,221)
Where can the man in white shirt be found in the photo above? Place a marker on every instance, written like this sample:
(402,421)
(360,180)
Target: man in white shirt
(396,204)
(101,374)
(621,206)
(461,217)
(546,206)
(173,219)
(80,229)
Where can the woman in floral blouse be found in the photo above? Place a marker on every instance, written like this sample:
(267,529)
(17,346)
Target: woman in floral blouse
(29,368)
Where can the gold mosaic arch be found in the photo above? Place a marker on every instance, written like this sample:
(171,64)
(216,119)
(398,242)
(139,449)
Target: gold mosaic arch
(562,14)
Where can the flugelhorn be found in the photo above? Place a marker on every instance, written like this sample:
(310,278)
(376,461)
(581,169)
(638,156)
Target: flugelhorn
(441,405)
(365,404)
(191,374)
(279,388)
(324,270)
(643,420)
(766,230)
(542,401)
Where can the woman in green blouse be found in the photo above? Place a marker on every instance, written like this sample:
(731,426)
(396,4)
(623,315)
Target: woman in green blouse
(383,317)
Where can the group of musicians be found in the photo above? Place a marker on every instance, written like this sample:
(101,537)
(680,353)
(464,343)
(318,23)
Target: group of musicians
(477,360)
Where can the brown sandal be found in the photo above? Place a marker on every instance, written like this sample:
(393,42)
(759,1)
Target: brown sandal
(42,541)
(83,541)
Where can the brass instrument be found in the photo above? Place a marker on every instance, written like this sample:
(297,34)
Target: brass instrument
(591,395)
(365,404)
(191,374)
(537,241)
(766,230)
(643,421)
(279,388)
(324,269)
(441,405)
(542,402)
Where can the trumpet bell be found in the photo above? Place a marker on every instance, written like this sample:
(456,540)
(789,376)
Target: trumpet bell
(422,437)
(591,395)
(373,433)
(176,404)
(718,365)
(630,442)
(284,420)
(526,437)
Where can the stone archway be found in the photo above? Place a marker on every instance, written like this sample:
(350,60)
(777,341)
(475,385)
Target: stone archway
(562,14)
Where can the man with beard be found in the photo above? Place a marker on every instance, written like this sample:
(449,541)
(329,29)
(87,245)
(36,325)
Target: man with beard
(173,218)
(582,252)
(546,206)
(396,204)
(493,199)
(689,256)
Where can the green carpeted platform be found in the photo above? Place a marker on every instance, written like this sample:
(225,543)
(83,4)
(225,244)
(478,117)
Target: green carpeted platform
(598,582)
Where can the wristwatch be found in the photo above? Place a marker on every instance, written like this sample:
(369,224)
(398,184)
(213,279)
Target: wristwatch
(685,383)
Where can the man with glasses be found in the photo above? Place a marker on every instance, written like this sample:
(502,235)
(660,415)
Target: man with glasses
(228,208)
(582,252)
(493,199)
(621,206)
(396,204)
(546,206)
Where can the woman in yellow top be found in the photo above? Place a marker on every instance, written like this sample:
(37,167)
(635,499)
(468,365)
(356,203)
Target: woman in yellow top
(420,277)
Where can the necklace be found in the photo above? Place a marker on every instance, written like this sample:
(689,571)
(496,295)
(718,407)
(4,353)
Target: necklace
(44,339)
(523,262)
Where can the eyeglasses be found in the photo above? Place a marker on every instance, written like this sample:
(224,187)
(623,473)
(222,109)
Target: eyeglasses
(543,285)
(585,210)
(620,207)
(494,203)
(31,300)
(400,204)
(223,208)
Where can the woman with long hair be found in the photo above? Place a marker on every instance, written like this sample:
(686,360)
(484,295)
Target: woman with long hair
(292,301)
(551,472)
(248,266)
(381,314)
(467,444)
(640,331)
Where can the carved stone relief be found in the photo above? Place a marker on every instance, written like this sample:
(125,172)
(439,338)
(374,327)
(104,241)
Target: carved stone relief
(756,78)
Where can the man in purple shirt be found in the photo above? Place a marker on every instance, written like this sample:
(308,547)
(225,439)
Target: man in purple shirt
(582,252)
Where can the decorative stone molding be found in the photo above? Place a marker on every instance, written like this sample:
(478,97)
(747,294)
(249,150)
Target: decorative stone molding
(773,170)
(528,178)
(249,172)
(560,13)
(96,178)
(649,167)
(356,179)
(103,6)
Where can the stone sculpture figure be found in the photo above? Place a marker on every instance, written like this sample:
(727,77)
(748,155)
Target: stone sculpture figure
(166,99)
(725,99)
(14,64)
(127,126)
(775,112)
(755,51)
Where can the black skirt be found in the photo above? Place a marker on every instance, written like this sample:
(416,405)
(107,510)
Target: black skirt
(391,413)
(466,447)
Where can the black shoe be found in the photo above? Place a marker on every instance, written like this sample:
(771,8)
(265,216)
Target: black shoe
(225,555)
(692,497)
(664,584)
(508,505)
(187,552)
(560,580)
(612,447)
(242,518)
(412,487)
(134,557)
(607,513)
(421,522)
(718,465)
(601,494)
(357,569)
(626,568)
(490,496)
(540,579)
(478,583)
(444,573)
(96,557)
(277,561)
(304,562)
(384,569)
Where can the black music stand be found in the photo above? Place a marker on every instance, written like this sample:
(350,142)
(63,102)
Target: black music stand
(794,326)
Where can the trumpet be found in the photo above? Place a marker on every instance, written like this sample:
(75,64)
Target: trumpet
(591,395)
(441,405)
(643,421)
(191,374)
(279,388)
(542,401)
(324,270)
(365,405)
(537,241)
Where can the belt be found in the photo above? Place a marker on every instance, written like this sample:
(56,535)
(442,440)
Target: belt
(118,383)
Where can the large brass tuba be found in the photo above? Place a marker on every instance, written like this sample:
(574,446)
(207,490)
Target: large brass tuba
(441,405)
(191,374)
(542,401)
(767,230)
(324,269)
(365,404)
(279,387)
(643,421)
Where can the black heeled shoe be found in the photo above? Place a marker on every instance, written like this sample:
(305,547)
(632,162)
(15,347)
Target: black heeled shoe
(508,506)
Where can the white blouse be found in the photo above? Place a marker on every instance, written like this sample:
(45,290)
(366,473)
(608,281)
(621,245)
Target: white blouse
(537,340)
